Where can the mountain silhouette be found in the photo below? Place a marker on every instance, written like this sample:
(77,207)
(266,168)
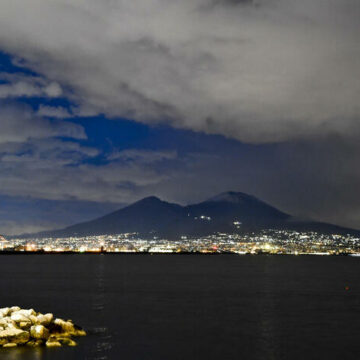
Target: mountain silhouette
(228,212)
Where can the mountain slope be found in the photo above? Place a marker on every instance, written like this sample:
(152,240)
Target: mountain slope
(228,212)
(233,211)
(149,215)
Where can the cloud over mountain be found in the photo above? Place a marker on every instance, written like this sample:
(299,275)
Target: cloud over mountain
(258,71)
(281,76)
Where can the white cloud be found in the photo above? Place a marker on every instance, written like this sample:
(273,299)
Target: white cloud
(256,71)
(19,124)
(53,112)
(142,156)
(16,85)
(60,170)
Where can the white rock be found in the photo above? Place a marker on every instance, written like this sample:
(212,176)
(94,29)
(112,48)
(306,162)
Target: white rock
(14,308)
(34,343)
(39,332)
(66,341)
(33,319)
(66,326)
(45,319)
(26,312)
(53,343)
(4,312)
(19,317)
(15,335)
(10,345)
(25,326)
(11,325)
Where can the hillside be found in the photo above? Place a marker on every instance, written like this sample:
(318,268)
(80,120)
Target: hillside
(230,212)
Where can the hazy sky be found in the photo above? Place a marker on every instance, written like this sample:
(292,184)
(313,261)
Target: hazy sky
(104,102)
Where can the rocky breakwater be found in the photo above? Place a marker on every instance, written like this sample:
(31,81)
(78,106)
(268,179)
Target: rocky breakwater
(20,327)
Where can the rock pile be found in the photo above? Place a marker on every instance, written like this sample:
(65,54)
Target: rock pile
(28,327)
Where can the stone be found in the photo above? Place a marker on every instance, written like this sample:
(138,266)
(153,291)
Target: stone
(53,343)
(15,335)
(18,317)
(11,324)
(4,312)
(26,312)
(34,319)
(24,325)
(27,327)
(66,326)
(67,341)
(34,343)
(80,332)
(9,345)
(39,332)
(45,319)
(13,309)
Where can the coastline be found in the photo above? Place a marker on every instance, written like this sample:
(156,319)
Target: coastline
(28,253)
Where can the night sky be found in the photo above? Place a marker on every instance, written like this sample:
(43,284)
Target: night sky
(105,102)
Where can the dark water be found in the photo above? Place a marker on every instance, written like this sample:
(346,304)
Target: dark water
(165,307)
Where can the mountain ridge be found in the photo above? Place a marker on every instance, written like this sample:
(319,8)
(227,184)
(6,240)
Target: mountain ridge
(229,212)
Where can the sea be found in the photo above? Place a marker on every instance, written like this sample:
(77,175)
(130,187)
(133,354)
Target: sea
(187,307)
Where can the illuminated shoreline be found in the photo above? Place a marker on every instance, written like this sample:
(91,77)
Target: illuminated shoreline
(274,242)
(204,253)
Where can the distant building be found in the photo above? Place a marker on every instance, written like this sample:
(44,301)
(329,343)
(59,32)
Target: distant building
(3,243)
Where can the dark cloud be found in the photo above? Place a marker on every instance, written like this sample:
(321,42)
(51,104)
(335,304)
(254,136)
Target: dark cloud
(266,73)
(317,180)
(313,179)
(281,75)
(234,2)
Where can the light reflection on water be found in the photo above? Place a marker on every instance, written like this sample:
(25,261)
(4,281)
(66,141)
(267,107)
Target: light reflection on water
(267,314)
(103,338)
(190,307)
(22,353)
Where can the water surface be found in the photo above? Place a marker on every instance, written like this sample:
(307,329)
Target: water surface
(162,307)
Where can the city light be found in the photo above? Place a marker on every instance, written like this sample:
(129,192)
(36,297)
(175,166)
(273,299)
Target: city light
(264,242)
